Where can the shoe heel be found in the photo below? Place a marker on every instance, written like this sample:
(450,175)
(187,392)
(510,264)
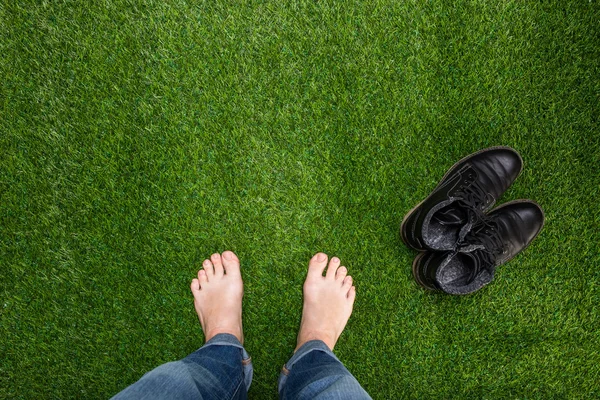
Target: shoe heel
(416,274)
(404,226)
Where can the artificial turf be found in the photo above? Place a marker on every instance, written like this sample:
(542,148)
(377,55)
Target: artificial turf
(139,137)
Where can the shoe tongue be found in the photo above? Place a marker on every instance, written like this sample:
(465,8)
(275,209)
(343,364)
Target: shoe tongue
(477,263)
(479,259)
(451,216)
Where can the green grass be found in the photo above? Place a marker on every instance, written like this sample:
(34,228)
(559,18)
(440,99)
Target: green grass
(138,137)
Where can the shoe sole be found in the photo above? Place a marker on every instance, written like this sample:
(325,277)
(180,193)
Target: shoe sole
(452,169)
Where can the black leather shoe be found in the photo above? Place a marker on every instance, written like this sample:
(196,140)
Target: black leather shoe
(504,233)
(468,189)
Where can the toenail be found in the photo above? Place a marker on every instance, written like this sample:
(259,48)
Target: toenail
(205,263)
(227,255)
(321,257)
(335,260)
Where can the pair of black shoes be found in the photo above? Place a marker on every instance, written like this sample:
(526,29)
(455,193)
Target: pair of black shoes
(461,243)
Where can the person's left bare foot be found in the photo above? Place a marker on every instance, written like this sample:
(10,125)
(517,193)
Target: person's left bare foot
(218,293)
(328,301)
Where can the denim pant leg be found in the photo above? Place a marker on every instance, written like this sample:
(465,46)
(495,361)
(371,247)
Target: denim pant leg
(314,372)
(221,369)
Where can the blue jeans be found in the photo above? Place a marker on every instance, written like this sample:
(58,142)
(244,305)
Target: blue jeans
(221,369)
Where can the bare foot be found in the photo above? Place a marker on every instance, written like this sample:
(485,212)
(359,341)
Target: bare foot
(328,301)
(218,293)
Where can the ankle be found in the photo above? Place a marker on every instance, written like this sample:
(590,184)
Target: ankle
(324,337)
(235,332)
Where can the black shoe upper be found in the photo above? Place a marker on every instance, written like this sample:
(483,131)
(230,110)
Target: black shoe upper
(468,189)
(493,241)
(504,232)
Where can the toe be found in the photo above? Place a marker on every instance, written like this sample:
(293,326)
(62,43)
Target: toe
(208,268)
(347,283)
(317,264)
(351,294)
(195,285)
(341,273)
(332,268)
(202,277)
(231,263)
(216,260)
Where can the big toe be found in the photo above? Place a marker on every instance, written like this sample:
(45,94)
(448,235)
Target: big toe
(317,264)
(231,263)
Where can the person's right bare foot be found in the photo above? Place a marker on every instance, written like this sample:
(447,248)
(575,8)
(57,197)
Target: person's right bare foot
(328,301)
(218,292)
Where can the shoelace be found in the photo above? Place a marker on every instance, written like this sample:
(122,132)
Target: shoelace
(471,197)
(485,235)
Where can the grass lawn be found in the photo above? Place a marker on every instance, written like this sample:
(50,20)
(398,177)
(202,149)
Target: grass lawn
(139,137)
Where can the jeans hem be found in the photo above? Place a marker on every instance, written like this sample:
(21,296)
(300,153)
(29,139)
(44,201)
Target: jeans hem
(306,348)
(227,339)
(311,345)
